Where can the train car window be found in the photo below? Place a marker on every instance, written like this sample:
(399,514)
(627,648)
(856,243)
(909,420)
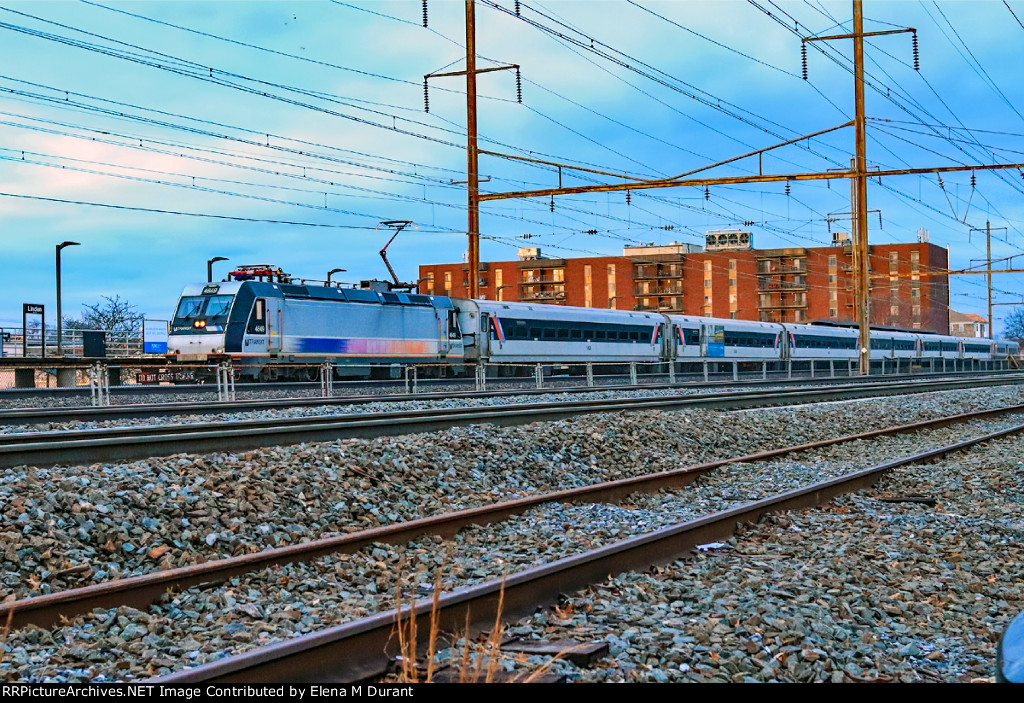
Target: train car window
(576,333)
(454,332)
(189,307)
(218,305)
(563,333)
(599,335)
(549,333)
(257,319)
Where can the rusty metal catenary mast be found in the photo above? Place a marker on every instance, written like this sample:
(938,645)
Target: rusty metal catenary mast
(472,151)
(473,175)
(861,243)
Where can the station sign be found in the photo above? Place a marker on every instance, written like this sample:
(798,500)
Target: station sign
(164,376)
(32,309)
(154,336)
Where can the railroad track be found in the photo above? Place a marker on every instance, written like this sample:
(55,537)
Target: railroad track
(363,648)
(24,416)
(141,591)
(130,443)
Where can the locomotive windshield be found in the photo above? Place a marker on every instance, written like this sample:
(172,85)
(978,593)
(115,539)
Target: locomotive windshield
(211,306)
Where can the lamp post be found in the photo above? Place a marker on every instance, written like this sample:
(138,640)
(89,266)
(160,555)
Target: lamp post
(209,267)
(60,324)
(497,293)
(332,272)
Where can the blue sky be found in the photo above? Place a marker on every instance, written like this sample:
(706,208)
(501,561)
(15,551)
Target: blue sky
(288,131)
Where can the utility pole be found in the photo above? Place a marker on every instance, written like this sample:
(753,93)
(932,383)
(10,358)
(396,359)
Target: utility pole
(472,171)
(988,271)
(988,261)
(472,151)
(861,236)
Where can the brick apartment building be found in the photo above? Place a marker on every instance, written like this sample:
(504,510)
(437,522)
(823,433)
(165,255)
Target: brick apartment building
(727,279)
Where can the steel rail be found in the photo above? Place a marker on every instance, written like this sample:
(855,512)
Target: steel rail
(21,416)
(138,442)
(141,591)
(363,648)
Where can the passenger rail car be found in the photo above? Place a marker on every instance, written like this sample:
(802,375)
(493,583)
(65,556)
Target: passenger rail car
(283,330)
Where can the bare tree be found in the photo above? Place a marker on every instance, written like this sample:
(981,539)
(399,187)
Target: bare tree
(108,314)
(1013,325)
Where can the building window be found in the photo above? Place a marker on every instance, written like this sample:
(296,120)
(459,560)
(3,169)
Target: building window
(832,263)
(833,312)
(448,283)
(430,283)
(588,287)
(499,293)
(611,287)
(559,275)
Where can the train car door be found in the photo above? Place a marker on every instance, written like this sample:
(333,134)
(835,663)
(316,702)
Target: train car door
(444,344)
(784,343)
(667,331)
(275,324)
(488,334)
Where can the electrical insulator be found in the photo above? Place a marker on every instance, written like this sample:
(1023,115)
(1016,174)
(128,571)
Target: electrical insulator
(519,87)
(917,61)
(787,188)
(424,13)
(552,203)
(517,8)
(590,231)
(426,97)
(941,184)
(707,193)
(803,58)
(974,180)
(627,198)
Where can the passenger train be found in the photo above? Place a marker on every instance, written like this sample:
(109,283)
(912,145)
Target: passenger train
(273,327)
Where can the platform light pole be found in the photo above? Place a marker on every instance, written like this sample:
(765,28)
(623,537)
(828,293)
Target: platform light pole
(60,323)
(332,272)
(209,267)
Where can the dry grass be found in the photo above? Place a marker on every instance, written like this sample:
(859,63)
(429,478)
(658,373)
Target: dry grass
(480,661)
(7,633)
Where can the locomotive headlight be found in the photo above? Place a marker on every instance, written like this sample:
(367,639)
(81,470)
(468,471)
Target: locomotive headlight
(199,323)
